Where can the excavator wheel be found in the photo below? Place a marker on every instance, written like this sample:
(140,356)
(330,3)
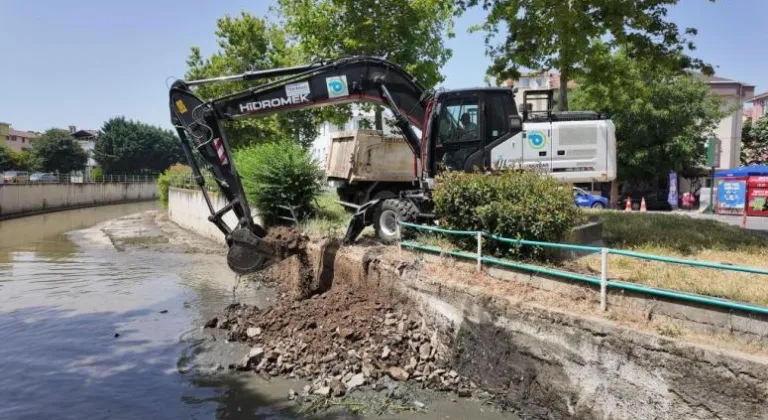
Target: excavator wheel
(388,213)
(248,253)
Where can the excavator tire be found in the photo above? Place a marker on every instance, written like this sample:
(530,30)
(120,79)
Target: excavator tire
(388,213)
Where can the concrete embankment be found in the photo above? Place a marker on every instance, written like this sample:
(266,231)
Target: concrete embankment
(539,345)
(18,200)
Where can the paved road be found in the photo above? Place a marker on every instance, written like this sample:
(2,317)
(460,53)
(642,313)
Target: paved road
(753,223)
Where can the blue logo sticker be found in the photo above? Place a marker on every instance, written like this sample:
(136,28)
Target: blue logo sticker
(337,86)
(537,139)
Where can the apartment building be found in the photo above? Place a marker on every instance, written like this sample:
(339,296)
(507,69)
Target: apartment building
(15,139)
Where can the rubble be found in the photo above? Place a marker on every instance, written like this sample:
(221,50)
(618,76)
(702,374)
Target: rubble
(341,341)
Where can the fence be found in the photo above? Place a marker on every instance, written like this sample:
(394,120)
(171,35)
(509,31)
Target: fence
(17,177)
(603,282)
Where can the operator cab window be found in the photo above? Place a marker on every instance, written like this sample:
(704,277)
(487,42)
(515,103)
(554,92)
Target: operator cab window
(458,121)
(498,122)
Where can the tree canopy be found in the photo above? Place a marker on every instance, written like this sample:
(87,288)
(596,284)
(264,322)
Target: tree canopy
(754,142)
(130,146)
(6,162)
(57,151)
(248,43)
(557,34)
(662,118)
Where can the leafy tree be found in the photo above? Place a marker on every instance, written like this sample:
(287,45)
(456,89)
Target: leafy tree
(558,34)
(131,146)
(6,160)
(249,43)
(57,151)
(662,118)
(754,142)
(409,33)
(22,160)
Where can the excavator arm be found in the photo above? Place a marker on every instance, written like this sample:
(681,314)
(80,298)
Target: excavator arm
(199,125)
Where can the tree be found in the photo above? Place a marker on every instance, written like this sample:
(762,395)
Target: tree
(57,151)
(662,118)
(131,146)
(22,160)
(409,33)
(249,43)
(558,34)
(754,142)
(6,161)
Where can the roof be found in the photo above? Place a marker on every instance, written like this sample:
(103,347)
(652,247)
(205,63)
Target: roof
(26,134)
(758,96)
(743,171)
(718,80)
(85,133)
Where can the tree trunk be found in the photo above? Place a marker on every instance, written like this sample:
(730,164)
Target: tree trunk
(562,93)
(379,119)
(614,194)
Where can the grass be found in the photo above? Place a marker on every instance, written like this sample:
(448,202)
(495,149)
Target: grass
(683,237)
(330,218)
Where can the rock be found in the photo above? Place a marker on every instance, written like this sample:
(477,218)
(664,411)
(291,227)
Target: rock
(338,389)
(347,377)
(356,381)
(396,393)
(211,323)
(419,405)
(164,311)
(348,333)
(329,357)
(453,374)
(390,321)
(353,353)
(424,351)
(253,332)
(307,389)
(367,369)
(291,394)
(398,374)
(323,391)
(464,393)
(117,335)
(385,353)
(411,364)
(256,352)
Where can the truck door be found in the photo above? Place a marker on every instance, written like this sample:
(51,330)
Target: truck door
(461,132)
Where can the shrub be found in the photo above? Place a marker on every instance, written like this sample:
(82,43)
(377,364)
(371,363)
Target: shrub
(97,174)
(177,175)
(512,204)
(279,173)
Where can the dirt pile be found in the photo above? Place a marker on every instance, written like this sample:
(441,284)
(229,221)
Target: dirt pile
(295,274)
(342,340)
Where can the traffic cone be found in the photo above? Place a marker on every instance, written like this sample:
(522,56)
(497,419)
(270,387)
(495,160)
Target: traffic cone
(642,205)
(628,206)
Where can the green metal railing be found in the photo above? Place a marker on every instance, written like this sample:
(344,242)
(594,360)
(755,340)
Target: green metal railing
(602,281)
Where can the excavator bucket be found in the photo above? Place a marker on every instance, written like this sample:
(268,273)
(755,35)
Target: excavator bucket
(362,218)
(248,253)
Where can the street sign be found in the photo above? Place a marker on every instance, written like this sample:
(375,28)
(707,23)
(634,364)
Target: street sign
(713,152)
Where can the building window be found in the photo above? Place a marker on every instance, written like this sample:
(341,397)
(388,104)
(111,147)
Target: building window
(23,140)
(13,138)
(764,107)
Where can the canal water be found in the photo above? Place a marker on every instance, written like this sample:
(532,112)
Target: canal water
(100,315)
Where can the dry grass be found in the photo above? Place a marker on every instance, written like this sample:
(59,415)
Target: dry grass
(684,237)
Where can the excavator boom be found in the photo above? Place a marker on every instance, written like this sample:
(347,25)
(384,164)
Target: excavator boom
(347,80)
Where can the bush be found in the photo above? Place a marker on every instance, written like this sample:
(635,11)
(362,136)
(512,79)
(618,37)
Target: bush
(97,174)
(177,175)
(279,173)
(512,204)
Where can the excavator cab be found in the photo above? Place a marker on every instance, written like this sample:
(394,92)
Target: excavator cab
(467,124)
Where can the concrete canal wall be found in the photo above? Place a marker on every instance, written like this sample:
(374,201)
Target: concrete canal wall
(18,200)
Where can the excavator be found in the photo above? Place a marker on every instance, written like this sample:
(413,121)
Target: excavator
(458,129)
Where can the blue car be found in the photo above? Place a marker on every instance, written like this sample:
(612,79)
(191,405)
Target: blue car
(587,200)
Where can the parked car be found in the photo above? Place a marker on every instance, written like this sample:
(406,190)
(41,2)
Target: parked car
(585,199)
(654,200)
(42,177)
(16,177)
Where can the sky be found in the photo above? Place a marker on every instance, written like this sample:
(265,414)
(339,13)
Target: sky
(81,62)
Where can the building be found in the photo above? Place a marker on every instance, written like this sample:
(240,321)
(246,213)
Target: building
(536,81)
(87,140)
(759,106)
(728,132)
(15,139)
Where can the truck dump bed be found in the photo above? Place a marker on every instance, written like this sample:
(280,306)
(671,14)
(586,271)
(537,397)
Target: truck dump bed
(368,155)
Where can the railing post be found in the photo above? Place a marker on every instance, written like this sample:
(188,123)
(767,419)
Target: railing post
(399,239)
(603,279)
(479,252)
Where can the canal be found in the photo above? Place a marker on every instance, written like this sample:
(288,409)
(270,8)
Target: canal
(100,315)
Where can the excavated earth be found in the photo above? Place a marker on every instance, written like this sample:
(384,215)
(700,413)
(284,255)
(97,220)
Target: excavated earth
(338,338)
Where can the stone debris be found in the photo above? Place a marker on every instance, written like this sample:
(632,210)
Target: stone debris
(343,340)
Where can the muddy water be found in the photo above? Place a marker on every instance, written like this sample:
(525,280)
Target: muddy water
(100,314)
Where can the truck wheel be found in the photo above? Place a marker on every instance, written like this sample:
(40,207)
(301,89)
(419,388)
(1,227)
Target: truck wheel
(388,213)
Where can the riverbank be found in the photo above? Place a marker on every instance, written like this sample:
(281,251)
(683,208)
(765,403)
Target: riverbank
(533,344)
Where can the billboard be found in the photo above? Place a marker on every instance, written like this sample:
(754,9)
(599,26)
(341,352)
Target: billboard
(731,196)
